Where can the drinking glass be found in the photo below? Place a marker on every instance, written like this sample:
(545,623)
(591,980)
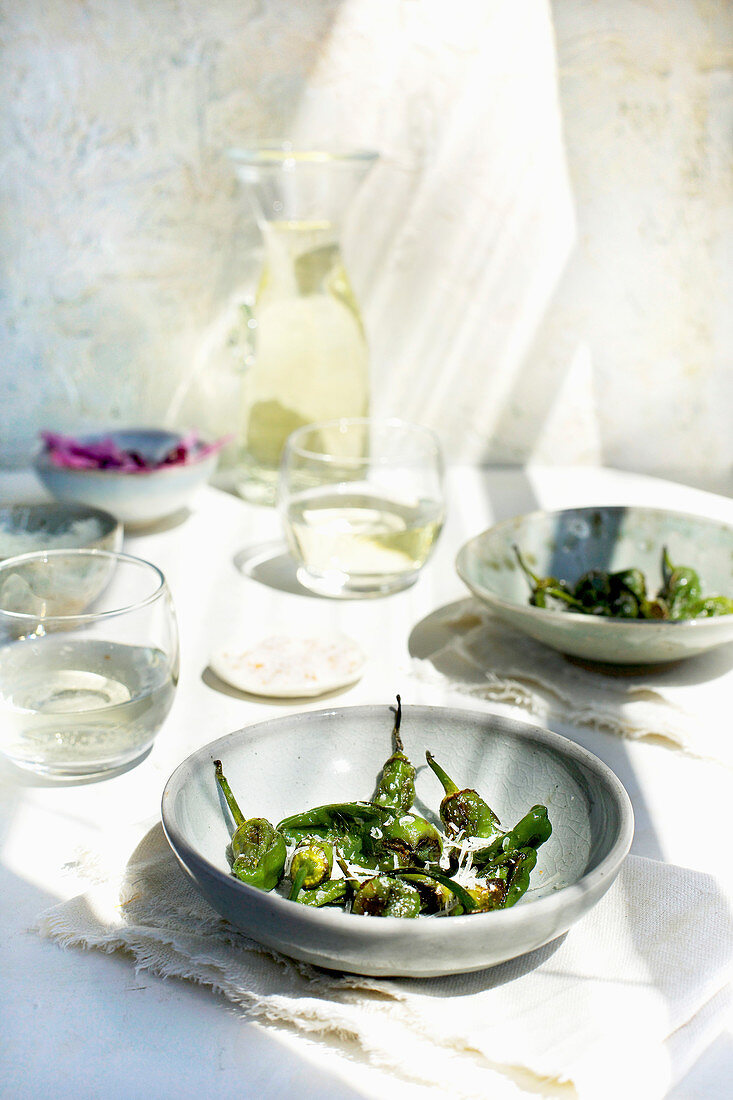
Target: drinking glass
(88,660)
(362,504)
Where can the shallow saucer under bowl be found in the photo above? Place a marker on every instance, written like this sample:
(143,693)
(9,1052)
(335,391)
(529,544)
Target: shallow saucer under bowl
(288,764)
(567,543)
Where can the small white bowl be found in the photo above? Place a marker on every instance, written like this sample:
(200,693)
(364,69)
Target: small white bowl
(54,526)
(565,544)
(279,767)
(137,498)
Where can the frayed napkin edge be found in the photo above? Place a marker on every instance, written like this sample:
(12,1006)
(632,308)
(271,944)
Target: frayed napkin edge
(275,1010)
(524,695)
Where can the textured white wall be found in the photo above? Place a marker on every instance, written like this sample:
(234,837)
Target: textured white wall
(544,254)
(647,94)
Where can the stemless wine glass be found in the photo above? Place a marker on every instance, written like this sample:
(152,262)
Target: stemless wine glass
(362,505)
(88,660)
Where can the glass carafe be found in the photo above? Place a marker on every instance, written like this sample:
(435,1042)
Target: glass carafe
(309,358)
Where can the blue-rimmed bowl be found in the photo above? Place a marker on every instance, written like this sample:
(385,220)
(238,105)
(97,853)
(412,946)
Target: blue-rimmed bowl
(138,497)
(567,543)
(288,764)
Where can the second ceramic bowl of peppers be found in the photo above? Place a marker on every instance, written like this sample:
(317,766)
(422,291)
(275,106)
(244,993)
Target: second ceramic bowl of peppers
(623,585)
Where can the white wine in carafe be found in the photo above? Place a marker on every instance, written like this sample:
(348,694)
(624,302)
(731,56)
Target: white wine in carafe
(310,359)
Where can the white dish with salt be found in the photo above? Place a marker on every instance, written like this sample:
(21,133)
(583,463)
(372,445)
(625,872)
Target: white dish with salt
(290,666)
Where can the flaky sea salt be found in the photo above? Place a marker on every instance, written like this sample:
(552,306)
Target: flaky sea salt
(290,666)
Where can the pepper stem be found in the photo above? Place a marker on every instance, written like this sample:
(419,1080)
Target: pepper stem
(237,814)
(448,785)
(397,722)
(300,876)
(534,580)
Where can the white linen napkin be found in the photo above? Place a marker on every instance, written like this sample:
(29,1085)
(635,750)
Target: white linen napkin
(685,705)
(621,1005)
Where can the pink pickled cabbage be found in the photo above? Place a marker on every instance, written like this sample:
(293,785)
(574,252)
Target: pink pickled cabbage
(106,454)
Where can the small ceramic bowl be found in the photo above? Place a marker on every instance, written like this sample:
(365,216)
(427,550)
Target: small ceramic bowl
(565,544)
(279,767)
(137,498)
(28,527)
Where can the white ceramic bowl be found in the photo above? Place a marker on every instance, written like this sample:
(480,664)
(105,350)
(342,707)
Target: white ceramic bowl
(53,526)
(136,498)
(279,767)
(566,543)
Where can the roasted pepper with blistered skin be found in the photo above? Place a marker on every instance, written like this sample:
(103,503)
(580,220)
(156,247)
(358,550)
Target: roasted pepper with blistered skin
(396,785)
(545,590)
(530,832)
(406,839)
(522,863)
(438,892)
(434,895)
(385,896)
(485,897)
(403,837)
(464,811)
(680,589)
(711,607)
(344,825)
(258,850)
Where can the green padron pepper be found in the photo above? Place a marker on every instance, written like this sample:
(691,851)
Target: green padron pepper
(547,591)
(530,832)
(711,607)
(396,784)
(681,588)
(403,840)
(344,825)
(520,866)
(331,892)
(385,896)
(403,837)
(258,850)
(310,866)
(464,811)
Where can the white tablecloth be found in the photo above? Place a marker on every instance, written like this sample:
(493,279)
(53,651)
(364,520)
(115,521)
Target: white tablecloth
(86,1025)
